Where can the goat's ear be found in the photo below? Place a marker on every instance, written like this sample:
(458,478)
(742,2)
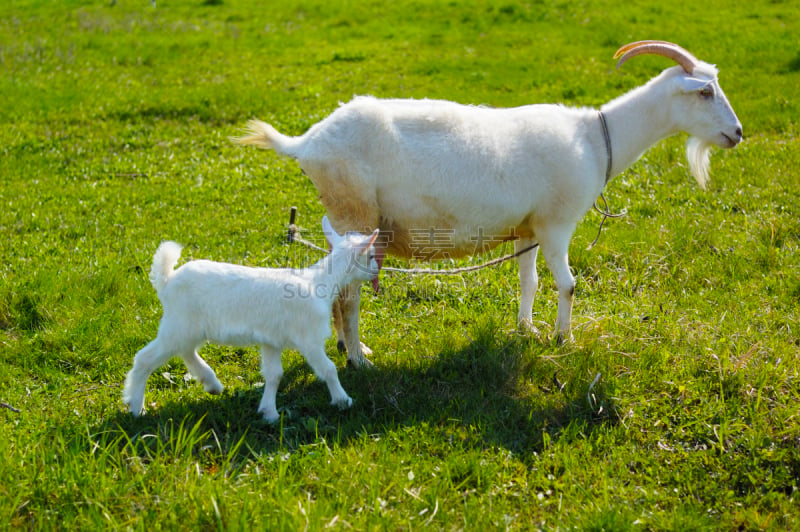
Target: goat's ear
(331,235)
(369,242)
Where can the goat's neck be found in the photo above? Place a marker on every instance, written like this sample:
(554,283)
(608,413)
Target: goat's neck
(636,121)
(330,276)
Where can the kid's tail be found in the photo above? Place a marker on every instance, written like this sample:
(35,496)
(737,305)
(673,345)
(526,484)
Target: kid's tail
(164,262)
(263,135)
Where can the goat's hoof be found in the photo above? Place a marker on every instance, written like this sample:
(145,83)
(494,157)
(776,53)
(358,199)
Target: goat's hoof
(342,348)
(526,327)
(271,414)
(359,363)
(214,388)
(343,403)
(135,411)
(563,338)
(270,418)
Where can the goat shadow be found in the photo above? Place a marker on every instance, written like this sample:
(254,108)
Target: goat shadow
(498,390)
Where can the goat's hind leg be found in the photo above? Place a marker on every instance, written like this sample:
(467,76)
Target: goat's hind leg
(345,316)
(338,324)
(272,370)
(202,372)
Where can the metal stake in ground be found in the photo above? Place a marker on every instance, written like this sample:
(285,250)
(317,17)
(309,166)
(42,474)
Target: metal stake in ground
(290,233)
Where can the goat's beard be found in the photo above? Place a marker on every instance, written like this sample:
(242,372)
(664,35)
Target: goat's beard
(697,151)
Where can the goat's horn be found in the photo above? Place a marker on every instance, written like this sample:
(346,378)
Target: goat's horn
(662,48)
(636,44)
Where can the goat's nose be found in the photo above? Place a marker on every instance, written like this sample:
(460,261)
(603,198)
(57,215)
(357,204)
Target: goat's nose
(739,132)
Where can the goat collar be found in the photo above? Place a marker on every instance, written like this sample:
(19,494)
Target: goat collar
(607,138)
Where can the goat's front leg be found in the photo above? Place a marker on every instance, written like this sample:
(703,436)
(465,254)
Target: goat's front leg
(272,370)
(528,283)
(555,246)
(345,314)
(338,324)
(325,370)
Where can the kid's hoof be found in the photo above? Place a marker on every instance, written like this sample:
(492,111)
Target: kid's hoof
(136,410)
(343,403)
(270,417)
(214,388)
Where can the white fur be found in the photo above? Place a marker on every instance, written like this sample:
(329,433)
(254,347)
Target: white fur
(480,175)
(276,309)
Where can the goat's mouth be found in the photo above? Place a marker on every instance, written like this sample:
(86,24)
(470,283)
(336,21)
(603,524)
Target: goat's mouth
(376,283)
(731,141)
(375,279)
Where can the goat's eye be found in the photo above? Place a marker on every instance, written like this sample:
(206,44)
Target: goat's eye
(707,92)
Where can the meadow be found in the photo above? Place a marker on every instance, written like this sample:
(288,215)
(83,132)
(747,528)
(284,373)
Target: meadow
(675,407)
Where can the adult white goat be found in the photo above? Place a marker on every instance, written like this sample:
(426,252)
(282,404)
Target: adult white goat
(458,180)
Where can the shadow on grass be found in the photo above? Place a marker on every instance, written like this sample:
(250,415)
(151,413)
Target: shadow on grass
(496,391)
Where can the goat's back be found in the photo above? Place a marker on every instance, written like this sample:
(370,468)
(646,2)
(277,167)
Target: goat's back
(237,305)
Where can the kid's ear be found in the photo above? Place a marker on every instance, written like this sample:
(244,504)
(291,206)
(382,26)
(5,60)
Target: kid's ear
(368,243)
(331,235)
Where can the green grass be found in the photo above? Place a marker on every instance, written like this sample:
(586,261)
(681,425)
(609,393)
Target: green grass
(114,126)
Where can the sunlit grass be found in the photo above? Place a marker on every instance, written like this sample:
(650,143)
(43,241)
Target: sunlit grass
(675,407)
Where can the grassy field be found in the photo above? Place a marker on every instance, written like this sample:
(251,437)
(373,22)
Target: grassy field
(114,127)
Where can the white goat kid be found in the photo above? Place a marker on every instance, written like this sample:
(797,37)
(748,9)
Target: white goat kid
(237,305)
(479,176)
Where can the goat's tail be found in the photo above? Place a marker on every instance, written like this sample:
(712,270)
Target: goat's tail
(164,262)
(263,135)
